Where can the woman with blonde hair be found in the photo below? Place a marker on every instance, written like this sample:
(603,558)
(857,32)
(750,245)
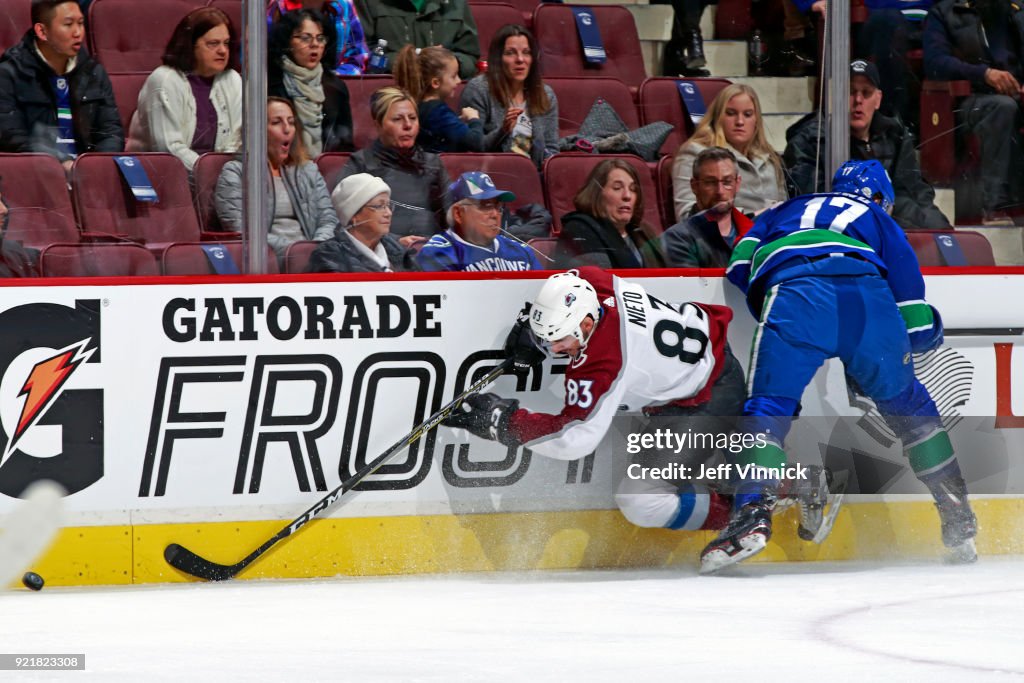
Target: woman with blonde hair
(733,121)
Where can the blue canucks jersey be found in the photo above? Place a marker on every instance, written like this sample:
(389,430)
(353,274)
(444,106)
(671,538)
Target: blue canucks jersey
(795,238)
(448,251)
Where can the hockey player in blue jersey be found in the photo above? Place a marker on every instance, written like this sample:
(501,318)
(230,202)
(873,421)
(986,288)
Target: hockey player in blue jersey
(832,276)
(473,242)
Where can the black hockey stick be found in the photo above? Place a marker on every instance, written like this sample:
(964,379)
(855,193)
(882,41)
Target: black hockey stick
(187,561)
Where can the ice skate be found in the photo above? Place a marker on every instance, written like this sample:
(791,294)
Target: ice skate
(819,498)
(959,525)
(747,534)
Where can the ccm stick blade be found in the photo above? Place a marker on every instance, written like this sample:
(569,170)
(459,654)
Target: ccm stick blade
(183,559)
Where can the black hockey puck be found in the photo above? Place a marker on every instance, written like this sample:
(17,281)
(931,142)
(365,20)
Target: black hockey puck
(33,581)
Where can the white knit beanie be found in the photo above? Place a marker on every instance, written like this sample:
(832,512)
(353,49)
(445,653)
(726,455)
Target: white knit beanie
(354,192)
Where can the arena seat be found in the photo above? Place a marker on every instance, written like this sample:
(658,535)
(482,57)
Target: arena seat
(562,52)
(190,259)
(666,198)
(35,192)
(232,8)
(364,131)
(126,94)
(96,260)
(15,20)
(939,103)
(106,207)
(660,101)
(128,35)
(576,97)
(330,165)
(296,256)
(205,174)
(491,16)
(565,174)
(524,7)
(512,172)
(545,247)
(976,248)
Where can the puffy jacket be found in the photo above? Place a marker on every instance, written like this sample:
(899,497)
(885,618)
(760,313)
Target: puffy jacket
(339,255)
(418,183)
(306,190)
(28,105)
(441,22)
(956,47)
(891,144)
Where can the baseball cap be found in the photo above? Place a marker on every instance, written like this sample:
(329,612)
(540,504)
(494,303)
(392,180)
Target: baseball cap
(477,185)
(866,69)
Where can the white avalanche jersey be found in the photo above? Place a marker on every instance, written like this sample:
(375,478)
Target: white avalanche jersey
(644,352)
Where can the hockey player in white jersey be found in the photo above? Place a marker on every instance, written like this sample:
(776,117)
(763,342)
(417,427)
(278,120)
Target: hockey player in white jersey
(630,352)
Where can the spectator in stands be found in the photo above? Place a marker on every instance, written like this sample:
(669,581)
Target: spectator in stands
(983,42)
(733,121)
(193,103)
(473,242)
(684,52)
(423,23)
(519,112)
(14,260)
(53,97)
(363,242)
(872,136)
(430,75)
(417,179)
(298,202)
(607,228)
(705,238)
(345,52)
(295,72)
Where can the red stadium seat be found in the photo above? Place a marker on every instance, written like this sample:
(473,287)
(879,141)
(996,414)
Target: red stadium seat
(512,172)
(296,256)
(190,259)
(577,96)
(205,174)
(524,7)
(330,165)
(128,35)
(565,174)
(126,94)
(35,192)
(15,20)
(232,8)
(364,131)
(666,199)
(95,260)
(545,247)
(105,205)
(660,101)
(939,101)
(562,52)
(489,18)
(975,247)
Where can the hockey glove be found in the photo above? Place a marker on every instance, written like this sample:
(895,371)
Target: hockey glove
(926,340)
(486,416)
(521,345)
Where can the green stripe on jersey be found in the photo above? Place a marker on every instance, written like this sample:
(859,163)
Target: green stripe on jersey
(801,239)
(932,454)
(744,250)
(917,315)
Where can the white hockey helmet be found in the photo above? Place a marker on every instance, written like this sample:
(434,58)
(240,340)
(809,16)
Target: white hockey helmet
(562,304)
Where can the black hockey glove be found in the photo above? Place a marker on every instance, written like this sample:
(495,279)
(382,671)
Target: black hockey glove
(521,345)
(486,416)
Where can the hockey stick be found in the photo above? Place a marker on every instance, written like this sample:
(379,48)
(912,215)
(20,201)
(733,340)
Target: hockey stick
(187,561)
(29,529)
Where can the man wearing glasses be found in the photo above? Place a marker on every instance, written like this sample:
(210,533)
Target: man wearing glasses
(473,242)
(705,238)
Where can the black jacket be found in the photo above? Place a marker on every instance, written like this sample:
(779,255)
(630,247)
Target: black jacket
(339,255)
(696,242)
(891,144)
(956,48)
(28,105)
(337,123)
(589,241)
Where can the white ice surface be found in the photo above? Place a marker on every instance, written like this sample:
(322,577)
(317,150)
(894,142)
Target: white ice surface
(816,622)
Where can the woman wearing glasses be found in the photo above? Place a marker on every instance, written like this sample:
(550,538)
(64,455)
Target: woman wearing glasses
(193,103)
(733,121)
(298,202)
(362,243)
(297,72)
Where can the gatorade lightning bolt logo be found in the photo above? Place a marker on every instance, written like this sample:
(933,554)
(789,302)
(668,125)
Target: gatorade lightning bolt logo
(43,386)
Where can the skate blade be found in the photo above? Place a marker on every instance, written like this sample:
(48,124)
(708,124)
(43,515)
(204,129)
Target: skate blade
(965,553)
(835,502)
(719,559)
